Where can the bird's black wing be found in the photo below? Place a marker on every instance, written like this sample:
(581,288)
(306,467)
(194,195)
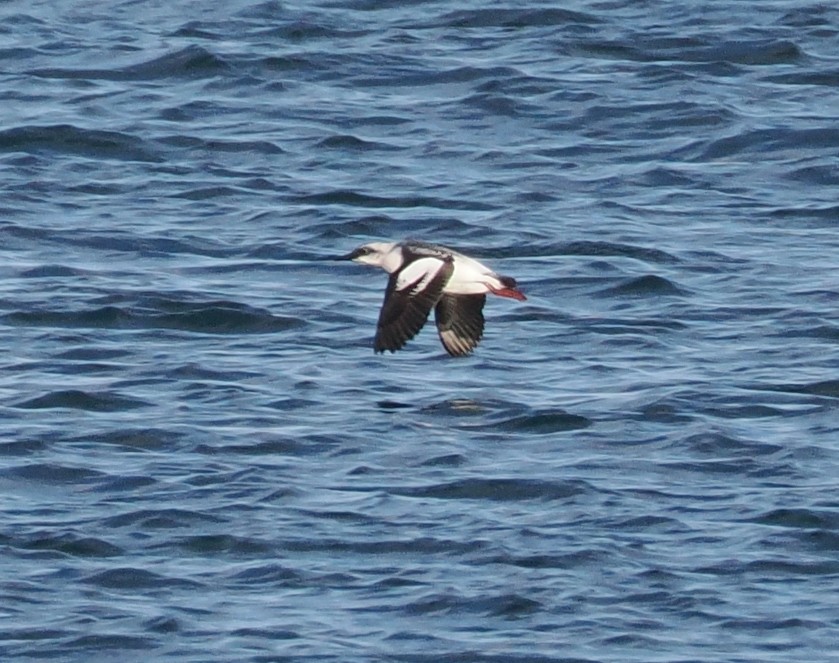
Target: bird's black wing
(460,322)
(406,309)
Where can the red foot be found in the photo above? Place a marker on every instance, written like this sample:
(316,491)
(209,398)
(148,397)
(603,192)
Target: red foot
(512,293)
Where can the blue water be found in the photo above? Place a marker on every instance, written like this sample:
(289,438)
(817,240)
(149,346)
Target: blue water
(202,459)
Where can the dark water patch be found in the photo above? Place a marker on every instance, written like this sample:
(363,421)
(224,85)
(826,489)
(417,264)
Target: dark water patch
(219,145)
(499,490)
(666,114)
(494,104)
(502,17)
(197,372)
(337,516)
(309,30)
(660,176)
(579,559)
(463,74)
(506,417)
(710,467)
(198,30)
(102,642)
(33,634)
(540,422)
(22,447)
(69,139)
(191,111)
(351,198)
(135,439)
(123,483)
(165,518)
(824,541)
(666,410)
(51,473)
(96,189)
(649,285)
(383,546)
(785,569)
(267,10)
(106,316)
(816,212)
(362,470)
(72,544)
(705,261)
(761,52)
(760,142)
(76,399)
(396,582)
(291,404)
(650,523)
(720,445)
(208,193)
(509,606)
(827,388)
(775,569)
(167,625)
(389,404)
(827,77)
(808,16)
(221,544)
(354,143)
(274,447)
(586,248)
(51,271)
(129,578)
(274,634)
(92,354)
(799,518)
(392,119)
(447,460)
(748,411)
(381,226)
(268,574)
(743,52)
(137,246)
(192,63)
(819,175)
(218,317)
(760,625)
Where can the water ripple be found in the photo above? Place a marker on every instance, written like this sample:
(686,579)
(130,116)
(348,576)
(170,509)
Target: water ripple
(71,140)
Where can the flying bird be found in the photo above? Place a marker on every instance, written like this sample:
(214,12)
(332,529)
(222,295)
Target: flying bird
(425,276)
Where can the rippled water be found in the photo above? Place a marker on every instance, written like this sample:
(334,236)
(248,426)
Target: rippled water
(203,460)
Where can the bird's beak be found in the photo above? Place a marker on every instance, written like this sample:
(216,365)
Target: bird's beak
(352,255)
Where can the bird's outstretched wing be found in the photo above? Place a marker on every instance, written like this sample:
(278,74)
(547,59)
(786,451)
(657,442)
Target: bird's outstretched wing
(411,294)
(460,322)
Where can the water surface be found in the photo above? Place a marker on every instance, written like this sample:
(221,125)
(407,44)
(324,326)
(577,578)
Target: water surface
(203,460)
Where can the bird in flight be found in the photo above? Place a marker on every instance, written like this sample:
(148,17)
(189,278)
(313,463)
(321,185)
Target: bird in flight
(425,276)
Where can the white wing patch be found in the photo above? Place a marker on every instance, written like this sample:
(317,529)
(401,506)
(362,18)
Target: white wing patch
(424,269)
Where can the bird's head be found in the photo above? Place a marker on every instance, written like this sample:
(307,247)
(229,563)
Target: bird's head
(374,253)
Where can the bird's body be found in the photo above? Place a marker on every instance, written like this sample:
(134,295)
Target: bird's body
(425,276)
